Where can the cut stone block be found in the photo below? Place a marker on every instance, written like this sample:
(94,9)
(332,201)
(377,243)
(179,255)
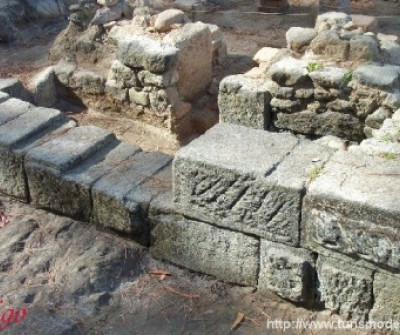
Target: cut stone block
(12,108)
(287,271)
(299,38)
(353,207)
(194,59)
(47,163)
(225,254)
(144,52)
(113,204)
(377,76)
(289,72)
(3,96)
(329,45)
(15,136)
(386,297)
(237,177)
(45,87)
(344,287)
(245,101)
(14,88)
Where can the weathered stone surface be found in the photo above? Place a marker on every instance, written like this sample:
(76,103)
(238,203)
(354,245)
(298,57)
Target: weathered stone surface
(329,77)
(64,72)
(298,39)
(289,72)
(194,59)
(107,14)
(376,119)
(144,52)
(12,108)
(363,48)
(344,287)
(14,88)
(266,56)
(167,18)
(3,97)
(328,44)
(107,3)
(285,105)
(139,97)
(14,136)
(377,76)
(328,20)
(327,123)
(88,81)
(146,78)
(287,271)
(116,90)
(342,106)
(234,177)
(227,255)
(244,101)
(353,207)
(45,87)
(112,208)
(390,51)
(122,74)
(386,297)
(366,22)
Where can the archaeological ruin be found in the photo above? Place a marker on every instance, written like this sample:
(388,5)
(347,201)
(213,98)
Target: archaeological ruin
(283,162)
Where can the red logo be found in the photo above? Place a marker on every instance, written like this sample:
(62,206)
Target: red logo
(10,315)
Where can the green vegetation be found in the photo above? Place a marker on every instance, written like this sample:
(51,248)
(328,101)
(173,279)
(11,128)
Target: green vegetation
(389,155)
(348,76)
(314,66)
(315,172)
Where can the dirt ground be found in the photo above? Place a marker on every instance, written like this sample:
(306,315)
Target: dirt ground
(154,298)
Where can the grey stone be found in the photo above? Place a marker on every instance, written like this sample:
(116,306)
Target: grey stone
(245,101)
(344,287)
(329,77)
(107,3)
(194,60)
(123,75)
(355,197)
(116,90)
(12,108)
(227,255)
(298,38)
(363,47)
(64,72)
(375,120)
(284,105)
(366,22)
(342,106)
(289,272)
(332,142)
(377,76)
(88,81)
(234,177)
(139,97)
(3,97)
(289,72)
(329,45)
(322,94)
(387,149)
(15,136)
(283,92)
(111,206)
(304,93)
(328,123)
(45,87)
(267,56)
(386,298)
(144,52)
(146,78)
(14,88)
(390,51)
(108,14)
(166,19)
(391,100)
(328,20)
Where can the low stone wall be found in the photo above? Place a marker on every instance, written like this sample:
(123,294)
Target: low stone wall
(315,224)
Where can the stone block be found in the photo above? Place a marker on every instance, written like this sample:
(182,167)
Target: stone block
(112,207)
(328,123)
(238,178)
(225,254)
(15,136)
(298,39)
(14,88)
(353,207)
(46,165)
(289,72)
(146,78)
(289,272)
(245,101)
(329,20)
(363,48)
(366,22)
(88,81)
(45,87)
(123,75)
(194,58)
(144,52)
(12,108)
(329,45)
(166,19)
(329,77)
(386,297)
(108,14)
(267,56)
(390,51)
(344,287)
(3,97)
(385,77)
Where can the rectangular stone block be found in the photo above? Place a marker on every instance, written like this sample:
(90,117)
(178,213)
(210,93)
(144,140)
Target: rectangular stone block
(353,208)
(12,108)
(247,180)
(245,101)
(16,136)
(48,163)
(344,287)
(386,297)
(227,255)
(289,272)
(115,206)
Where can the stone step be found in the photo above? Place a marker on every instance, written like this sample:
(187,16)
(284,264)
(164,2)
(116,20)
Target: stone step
(247,180)
(23,127)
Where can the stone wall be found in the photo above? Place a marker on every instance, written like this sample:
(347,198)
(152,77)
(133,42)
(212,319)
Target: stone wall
(336,79)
